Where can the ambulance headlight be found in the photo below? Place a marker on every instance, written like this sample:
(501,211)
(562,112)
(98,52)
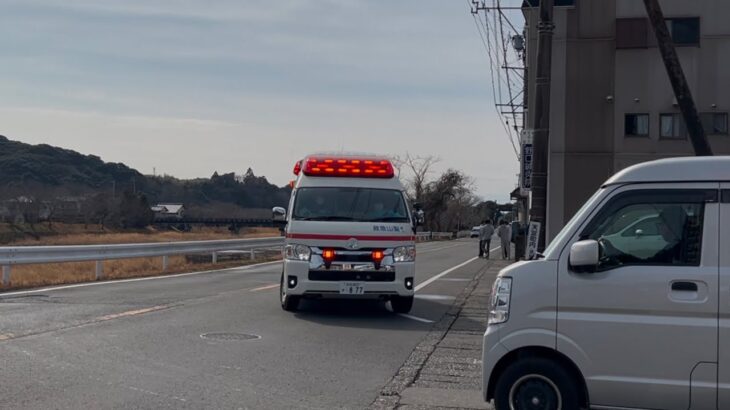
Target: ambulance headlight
(297,252)
(404,254)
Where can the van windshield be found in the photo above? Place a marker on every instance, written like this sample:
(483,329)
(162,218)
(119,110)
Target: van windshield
(349,204)
(552,250)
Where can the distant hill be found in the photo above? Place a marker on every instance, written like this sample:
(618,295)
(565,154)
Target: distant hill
(46,172)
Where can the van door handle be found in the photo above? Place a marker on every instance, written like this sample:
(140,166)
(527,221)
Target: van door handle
(684,286)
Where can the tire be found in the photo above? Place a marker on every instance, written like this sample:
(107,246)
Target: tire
(290,303)
(401,304)
(536,383)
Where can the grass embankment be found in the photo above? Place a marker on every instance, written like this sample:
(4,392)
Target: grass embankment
(25,276)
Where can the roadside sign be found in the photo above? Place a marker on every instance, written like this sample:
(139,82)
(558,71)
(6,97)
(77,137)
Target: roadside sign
(533,236)
(526,160)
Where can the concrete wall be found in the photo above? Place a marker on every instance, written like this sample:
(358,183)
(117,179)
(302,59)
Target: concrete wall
(587,141)
(640,74)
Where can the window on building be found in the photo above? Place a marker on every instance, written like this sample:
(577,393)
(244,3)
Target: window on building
(672,126)
(636,125)
(714,123)
(685,31)
(632,33)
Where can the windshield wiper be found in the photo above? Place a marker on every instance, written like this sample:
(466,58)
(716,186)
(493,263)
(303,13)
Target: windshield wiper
(388,219)
(327,218)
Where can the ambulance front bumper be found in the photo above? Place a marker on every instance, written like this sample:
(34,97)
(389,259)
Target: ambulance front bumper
(343,280)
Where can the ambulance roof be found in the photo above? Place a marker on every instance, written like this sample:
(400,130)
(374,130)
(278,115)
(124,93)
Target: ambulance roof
(339,181)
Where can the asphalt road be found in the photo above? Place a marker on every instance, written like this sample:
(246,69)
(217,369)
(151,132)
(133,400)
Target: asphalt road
(138,344)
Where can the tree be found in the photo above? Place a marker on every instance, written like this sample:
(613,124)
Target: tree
(133,210)
(453,191)
(419,169)
(98,208)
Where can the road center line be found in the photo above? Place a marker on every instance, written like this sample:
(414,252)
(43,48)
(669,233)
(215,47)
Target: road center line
(447,271)
(275,285)
(131,313)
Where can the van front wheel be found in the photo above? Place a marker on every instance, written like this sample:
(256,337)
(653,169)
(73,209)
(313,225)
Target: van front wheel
(536,383)
(401,304)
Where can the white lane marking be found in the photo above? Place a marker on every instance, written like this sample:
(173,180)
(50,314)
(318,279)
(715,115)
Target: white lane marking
(447,271)
(437,249)
(113,282)
(455,279)
(416,318)
(435,297)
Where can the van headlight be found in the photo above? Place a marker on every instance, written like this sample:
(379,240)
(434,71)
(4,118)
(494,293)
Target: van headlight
(499,303)
(297,252)
(404,254)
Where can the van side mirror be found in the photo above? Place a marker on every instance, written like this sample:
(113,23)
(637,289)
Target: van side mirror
(584,255)
(278,215)
(418,217)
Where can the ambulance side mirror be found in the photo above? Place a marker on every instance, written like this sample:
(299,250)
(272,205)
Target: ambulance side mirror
(418,217)
(278,215)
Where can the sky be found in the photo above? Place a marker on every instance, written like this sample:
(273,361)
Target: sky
(190,87)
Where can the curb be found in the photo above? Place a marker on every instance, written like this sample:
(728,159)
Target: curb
(389,397)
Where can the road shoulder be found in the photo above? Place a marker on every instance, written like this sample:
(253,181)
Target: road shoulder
(444,370)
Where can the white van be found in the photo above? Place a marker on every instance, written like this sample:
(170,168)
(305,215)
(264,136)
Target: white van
(349,232)
(630,305)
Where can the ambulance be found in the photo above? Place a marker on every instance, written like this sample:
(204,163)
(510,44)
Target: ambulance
(350,232)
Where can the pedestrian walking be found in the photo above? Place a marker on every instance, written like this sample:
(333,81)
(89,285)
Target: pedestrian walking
(504,231)
(485,238)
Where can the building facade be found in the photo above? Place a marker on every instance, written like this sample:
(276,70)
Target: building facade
(612,104)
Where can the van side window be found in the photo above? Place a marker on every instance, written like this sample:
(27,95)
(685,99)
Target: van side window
(649,229)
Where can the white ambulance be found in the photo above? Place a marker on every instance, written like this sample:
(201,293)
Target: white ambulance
(349,232)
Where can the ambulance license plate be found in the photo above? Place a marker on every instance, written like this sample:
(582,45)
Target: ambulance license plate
(352,288)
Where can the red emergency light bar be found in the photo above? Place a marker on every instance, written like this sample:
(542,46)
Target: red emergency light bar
(348,167)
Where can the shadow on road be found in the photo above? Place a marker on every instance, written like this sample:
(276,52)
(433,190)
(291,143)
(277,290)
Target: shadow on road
(374,314)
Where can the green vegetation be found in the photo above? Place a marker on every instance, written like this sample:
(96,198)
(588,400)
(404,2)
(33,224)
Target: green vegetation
(47,174)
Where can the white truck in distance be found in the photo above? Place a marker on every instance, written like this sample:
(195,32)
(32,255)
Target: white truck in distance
(349,232)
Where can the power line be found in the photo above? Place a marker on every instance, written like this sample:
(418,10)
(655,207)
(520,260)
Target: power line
(487,48)
(506,63)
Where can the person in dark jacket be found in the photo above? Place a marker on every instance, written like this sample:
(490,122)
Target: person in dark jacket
(485,238)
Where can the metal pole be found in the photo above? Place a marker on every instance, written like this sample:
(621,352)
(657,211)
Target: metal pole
(6,275)
(253,254)
(679,82)
(99,270)
(541,118)
(165,262)
(215,257)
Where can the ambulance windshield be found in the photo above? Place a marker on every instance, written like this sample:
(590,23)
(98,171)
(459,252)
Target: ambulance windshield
(350,204)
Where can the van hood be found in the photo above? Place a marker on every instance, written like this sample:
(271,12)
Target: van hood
(350,235)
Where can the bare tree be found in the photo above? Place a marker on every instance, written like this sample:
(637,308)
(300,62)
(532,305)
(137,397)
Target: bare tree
(419,169)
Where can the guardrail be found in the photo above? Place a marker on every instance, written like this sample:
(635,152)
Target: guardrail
(429,236)
(23,255)
(19,255)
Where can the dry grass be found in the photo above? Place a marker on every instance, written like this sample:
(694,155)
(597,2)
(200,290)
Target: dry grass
(25,276)
(92,238)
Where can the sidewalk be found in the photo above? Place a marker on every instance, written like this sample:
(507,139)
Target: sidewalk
(444,371)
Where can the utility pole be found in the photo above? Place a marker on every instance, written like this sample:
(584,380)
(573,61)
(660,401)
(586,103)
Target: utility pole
(541,118)
(679,81)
